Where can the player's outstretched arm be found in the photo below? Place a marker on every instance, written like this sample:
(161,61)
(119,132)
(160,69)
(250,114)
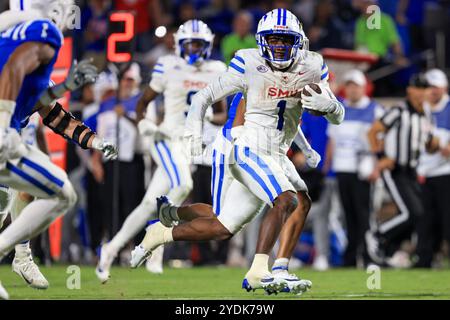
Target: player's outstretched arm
(66,125)
(23,61)
(312,157)
(79,75)
(225,85)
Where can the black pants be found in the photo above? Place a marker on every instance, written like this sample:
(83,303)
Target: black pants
(434,225)
(211,252)
(130,191)
(355,198)
(405,191)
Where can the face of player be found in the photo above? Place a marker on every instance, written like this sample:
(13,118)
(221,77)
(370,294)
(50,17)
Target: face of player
(435,94)
(354,92)
(194,47)
(416,96)
(280,45)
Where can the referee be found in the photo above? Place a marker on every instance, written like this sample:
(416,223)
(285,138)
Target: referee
(398,152)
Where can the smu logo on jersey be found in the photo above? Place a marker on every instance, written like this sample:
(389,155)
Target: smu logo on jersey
(188,84)
(280,93)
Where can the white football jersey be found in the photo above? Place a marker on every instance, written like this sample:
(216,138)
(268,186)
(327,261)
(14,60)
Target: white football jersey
(178,82)
(273,97)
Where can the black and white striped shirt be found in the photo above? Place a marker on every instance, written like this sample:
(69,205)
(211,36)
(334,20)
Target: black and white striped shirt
(405,136)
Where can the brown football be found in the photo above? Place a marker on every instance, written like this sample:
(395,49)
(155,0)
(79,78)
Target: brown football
(317,89)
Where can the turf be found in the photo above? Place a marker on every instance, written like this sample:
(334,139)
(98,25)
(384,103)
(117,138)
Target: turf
(225,283)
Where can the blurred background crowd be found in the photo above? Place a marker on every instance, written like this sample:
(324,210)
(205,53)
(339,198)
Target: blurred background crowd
(350,201)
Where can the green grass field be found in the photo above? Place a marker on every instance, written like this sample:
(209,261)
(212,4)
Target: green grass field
(224,283)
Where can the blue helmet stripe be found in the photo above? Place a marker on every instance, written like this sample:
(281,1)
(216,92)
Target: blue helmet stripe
(284,17)
(21,5)
(279,17)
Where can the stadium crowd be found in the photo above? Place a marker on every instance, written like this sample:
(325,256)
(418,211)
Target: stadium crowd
(371,202)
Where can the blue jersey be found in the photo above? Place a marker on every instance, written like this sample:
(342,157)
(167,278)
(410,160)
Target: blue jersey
(34,84)
(231,115)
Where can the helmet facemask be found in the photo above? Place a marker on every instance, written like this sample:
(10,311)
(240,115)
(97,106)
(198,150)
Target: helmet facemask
(278,47)
(194,51)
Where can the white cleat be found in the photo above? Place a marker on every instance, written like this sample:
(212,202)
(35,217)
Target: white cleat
(138,256)
(155,263)
(28,270)
(105,260)
(264,281)
(294,284)
(3,293)
(163,205)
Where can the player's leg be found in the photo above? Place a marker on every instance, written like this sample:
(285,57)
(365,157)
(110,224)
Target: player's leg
(221,179)
(290,233)
(23,263)
(265,177)
(229,222)
(133,224)
(36,174)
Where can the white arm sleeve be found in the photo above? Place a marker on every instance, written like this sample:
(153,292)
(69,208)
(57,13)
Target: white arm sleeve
(301,142)
(226,84)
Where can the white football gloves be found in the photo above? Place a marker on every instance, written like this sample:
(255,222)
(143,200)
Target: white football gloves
(108,149)
(312,158)
(323,102)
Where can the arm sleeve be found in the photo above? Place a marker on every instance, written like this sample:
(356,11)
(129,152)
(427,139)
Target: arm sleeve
(301,141)
(158,82)
(228,83)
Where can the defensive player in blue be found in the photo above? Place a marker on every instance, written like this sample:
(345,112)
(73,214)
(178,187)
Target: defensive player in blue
(29,45)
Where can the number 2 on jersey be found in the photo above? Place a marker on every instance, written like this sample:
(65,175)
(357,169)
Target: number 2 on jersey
(282,107)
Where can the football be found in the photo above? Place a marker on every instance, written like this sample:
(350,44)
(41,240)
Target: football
(317,89)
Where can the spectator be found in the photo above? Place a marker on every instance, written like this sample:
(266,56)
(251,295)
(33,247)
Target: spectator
(377,39)
(434,226)
(123,178)
(95,30)
(241,38)
(349,148)
(104,89)
(327,30)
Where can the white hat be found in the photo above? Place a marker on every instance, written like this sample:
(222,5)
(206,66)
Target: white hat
(436,78)
(355,76)
(133,72)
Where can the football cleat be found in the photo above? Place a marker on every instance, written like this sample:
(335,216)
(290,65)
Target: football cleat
(105,260)
(293,283)
(268,283)
(163,209)
(138,256)
(3,293)
(28,270)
